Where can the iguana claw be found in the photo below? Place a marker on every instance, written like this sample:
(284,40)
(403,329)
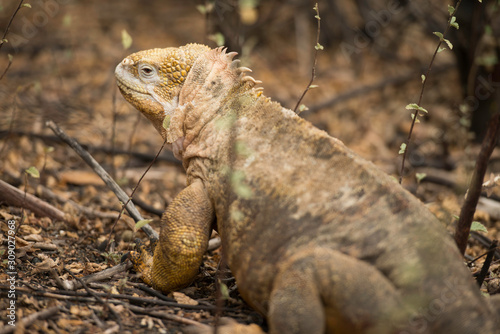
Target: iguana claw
(142,259)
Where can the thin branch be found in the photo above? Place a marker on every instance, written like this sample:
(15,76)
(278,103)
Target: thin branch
(98,276)
(2,41)
(414,120)
(7,68)
(317,47)
(469,207)
(165,315)
(487,262)
(115,298)
(133,192)
(385,82)
(98,298)
(122,196)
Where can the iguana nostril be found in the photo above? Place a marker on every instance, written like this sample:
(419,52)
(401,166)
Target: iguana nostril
(127,61)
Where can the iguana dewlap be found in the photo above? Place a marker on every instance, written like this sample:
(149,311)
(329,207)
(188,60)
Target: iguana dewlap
(318,239)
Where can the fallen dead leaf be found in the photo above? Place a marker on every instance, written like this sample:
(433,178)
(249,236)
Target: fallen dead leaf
(80,177)
(75,267)
(80,310)
(92,267)
(183,299)
(34,237)
(46,265)
(29,229)
(21,242)
(68,323)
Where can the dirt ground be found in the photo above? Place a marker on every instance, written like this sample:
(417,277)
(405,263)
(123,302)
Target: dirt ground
(63,57)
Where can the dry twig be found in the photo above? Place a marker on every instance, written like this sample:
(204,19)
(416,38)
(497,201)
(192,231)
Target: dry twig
(469,207)
(385,82)
(15,197)
(317,47)
(122,196)
(3,39)
(424,81)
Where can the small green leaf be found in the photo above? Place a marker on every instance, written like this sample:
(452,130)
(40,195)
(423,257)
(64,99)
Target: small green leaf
(451,9)
(487,59)
(313,86)
(33,172)
(242,149)
(27,5)
(413,116)
(236,214)
(478,227)
(5,40)
(67,19)
(126,39)
(402,148)
(319,47)
(303,107)
(441,49)
(205,9)
(448,43)
(414,106)
(423,78)
(454,23)
(11,57)
(420,176)
(239,186)
(218,38)
(224,290)
(481,1)
(166,122)
(438,34)
(202,9)
(142,223)
(48,149)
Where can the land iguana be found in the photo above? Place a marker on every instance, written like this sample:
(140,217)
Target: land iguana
(318,239)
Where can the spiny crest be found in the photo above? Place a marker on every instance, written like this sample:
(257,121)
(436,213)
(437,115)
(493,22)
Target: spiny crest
(240,70)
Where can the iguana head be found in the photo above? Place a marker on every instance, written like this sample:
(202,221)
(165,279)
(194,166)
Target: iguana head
(182,89)
(151,80)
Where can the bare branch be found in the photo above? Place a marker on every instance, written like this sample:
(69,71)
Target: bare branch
(122,196)
(15,197)
(424,81)
(317,47)
(469,207)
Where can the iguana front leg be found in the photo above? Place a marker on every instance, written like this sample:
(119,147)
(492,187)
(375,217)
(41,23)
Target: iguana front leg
(185,230)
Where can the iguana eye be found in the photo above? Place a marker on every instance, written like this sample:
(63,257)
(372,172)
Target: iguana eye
(146,71)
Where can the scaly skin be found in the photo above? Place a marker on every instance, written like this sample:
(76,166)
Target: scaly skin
(319,240)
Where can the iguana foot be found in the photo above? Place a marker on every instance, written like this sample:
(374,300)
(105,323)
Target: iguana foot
(226,326)
(142,259)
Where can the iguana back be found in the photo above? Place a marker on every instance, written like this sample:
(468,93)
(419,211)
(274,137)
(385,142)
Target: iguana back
(319,239)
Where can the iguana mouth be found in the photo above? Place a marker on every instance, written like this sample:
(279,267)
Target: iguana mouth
(125,88)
